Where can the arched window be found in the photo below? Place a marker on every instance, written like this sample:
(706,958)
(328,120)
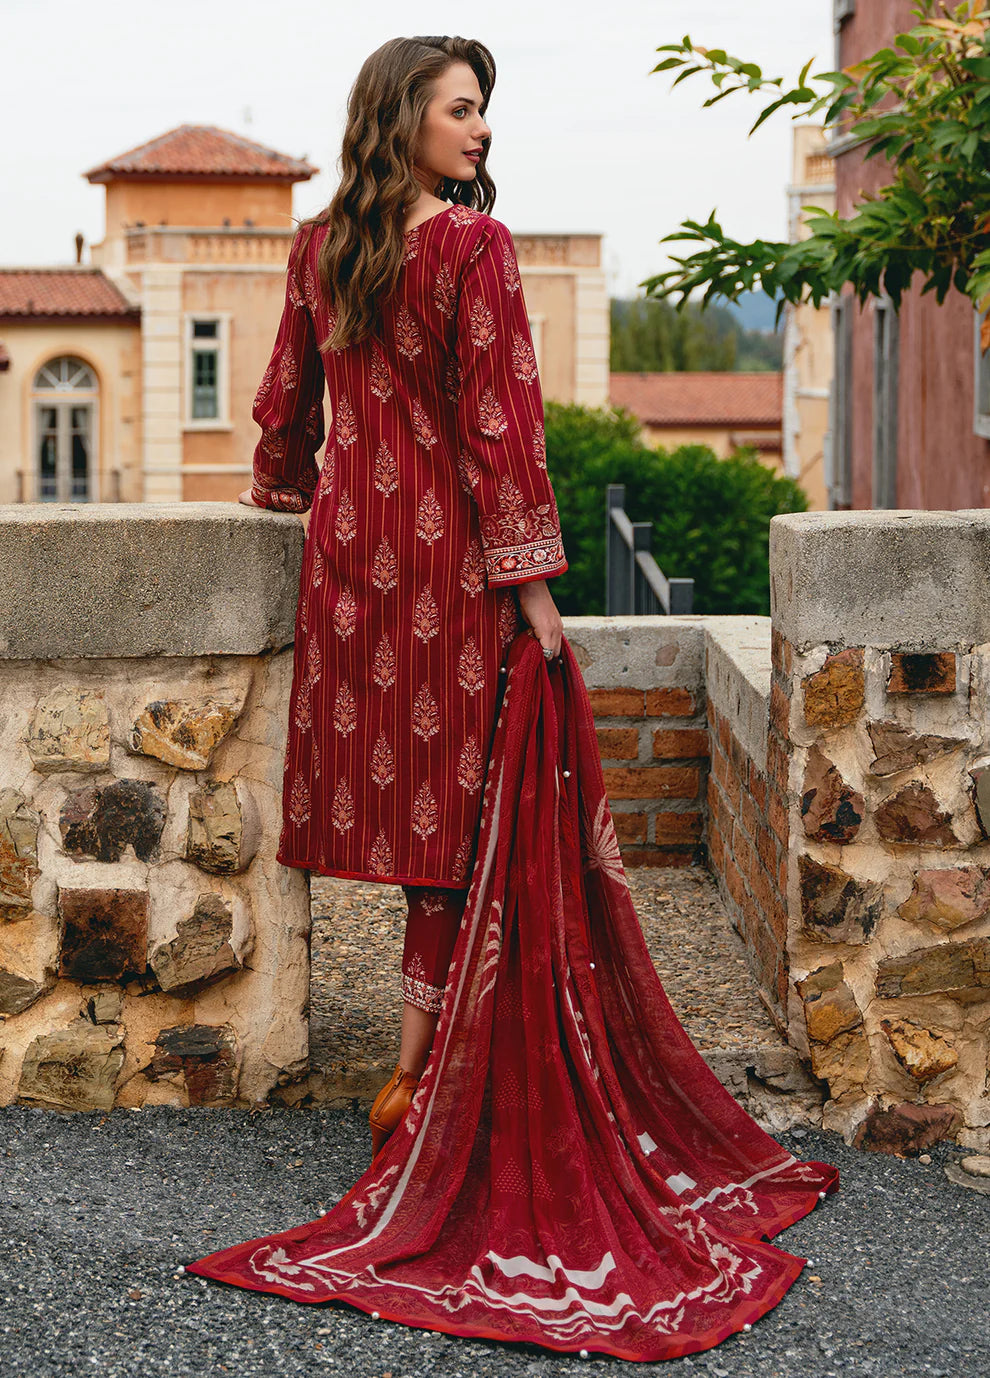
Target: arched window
(65,397)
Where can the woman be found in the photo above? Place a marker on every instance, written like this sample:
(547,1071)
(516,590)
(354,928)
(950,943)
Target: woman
(434,526)
(571,1173)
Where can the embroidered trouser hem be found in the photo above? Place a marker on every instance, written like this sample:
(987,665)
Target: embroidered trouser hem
(431,935)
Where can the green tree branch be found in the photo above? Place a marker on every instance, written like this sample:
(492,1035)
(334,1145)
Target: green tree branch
(924,104)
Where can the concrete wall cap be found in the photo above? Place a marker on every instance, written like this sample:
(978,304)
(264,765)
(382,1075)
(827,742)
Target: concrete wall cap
(737,680)
(890,579)
(146,579)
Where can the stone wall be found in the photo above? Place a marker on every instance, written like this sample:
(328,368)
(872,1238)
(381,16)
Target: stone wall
(883,647)
(747,831)
(151,950)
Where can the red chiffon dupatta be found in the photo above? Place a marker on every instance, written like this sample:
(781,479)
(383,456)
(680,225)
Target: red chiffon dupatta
(570,1173)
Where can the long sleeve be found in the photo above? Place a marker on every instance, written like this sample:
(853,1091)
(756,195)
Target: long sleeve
(289,408)
(500,418)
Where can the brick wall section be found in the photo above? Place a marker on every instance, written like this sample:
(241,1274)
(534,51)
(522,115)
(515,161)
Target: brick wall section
(654,750)
(748,834)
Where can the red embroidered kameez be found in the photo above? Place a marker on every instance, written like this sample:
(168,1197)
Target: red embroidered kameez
(433,500)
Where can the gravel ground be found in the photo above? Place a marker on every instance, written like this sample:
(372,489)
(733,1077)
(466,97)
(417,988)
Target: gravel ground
(356,1002)
(96,1212)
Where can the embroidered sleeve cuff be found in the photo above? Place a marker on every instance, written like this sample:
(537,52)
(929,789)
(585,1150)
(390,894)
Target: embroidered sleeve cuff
(518,564)
(281,499)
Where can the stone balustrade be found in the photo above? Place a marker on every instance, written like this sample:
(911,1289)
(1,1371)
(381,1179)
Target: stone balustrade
(832,763)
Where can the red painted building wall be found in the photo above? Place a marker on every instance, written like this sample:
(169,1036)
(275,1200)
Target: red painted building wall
(941,463)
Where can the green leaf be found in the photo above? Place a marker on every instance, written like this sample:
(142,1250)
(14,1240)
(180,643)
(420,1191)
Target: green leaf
(909,43)
(713,100)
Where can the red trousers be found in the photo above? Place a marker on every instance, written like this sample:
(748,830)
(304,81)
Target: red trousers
(431,933)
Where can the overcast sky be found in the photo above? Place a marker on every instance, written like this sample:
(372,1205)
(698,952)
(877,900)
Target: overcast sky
(584,138)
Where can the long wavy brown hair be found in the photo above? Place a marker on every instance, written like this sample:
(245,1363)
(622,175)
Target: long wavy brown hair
(359,260)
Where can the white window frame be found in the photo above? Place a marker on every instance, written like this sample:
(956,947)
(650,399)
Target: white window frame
(64,396)
(220,344)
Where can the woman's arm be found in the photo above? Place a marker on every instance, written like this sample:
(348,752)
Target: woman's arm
(289,408)
(500,428)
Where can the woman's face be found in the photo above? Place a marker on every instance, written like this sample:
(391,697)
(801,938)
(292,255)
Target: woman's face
(451,130)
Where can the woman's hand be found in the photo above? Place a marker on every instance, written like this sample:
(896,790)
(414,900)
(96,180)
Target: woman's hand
(247,499)
(540,611)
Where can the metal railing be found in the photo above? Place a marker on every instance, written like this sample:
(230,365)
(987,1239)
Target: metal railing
(634,582)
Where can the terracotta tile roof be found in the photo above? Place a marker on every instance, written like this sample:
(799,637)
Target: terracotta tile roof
(700,399)
(202,150)
(29,293)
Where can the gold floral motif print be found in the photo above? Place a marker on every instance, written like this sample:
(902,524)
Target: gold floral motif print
(346,421)
(273,442)
(383,666)
(429,517)
(510,269)
(470,767)
(540,446)
(299,802)
(408,339)
(491,418)
(425,812)
(469,471)
(482,325)
(288,369)
(471,667)
(523,358)
(382,762)
(426,616)
(345,612)
(462,857)
(425,714)
(472,578)
(444,292)
(422,425)
(342,808)
(386,470)
(381,382)
(384,567)
(344,709)
(265,386)
(345,522)
(380,856)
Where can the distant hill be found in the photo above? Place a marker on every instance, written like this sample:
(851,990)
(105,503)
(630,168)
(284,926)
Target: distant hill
(754,310)
(651,336)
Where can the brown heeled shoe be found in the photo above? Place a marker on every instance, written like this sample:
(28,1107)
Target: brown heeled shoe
(390,1106)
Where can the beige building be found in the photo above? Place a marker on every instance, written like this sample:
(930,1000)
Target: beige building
(132,378)
(725,411)
(808,329)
